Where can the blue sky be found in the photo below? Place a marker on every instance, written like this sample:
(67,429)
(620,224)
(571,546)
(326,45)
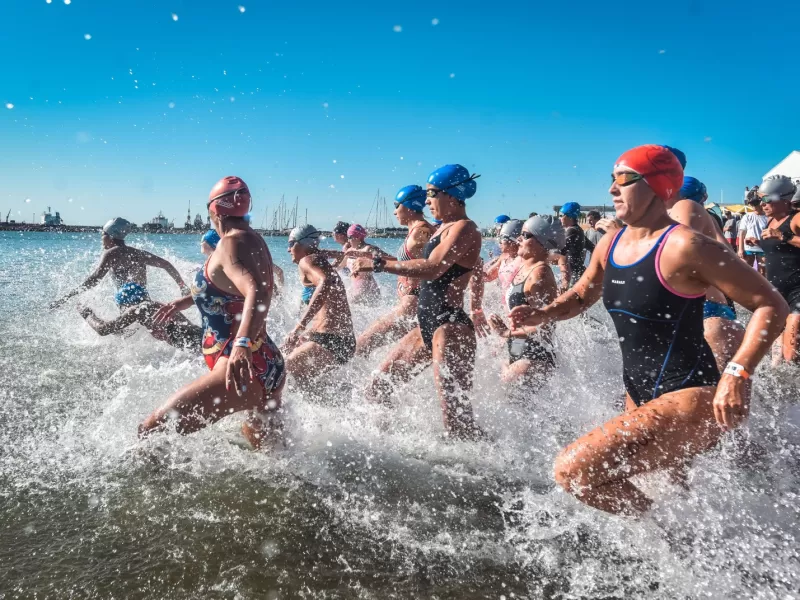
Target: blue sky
(540,99)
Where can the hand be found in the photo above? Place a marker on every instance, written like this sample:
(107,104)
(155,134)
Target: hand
(608,225)
(730,408)
(522,332)
(751,241)
(363,265)
(741,254)
(525,315)
(498,325)
(185,289)
(771,233)
(166,313)
(479,321)
(239,371)
(292,340)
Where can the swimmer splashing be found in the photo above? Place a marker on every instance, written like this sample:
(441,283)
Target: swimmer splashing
(445,334)
(233,292)
(653,277)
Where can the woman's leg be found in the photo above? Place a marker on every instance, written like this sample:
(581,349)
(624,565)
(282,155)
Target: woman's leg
(453,367)
(789,338)
(264,427)
(532,373)
(405,360)
(308,362)
(665,433)
(388,328)
(205,401)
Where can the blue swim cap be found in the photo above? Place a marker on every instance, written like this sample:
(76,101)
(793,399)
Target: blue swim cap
(501,219)
(455,180)
(211,238)
(693,189)
(412,197)
(571,210)
(436,221)
(678,154)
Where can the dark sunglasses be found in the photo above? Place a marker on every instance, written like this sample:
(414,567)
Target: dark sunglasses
(292,243)
(623,179)
(525,235)
(432,193)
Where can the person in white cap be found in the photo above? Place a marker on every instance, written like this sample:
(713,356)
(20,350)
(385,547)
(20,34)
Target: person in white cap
(323,338)
(128,267)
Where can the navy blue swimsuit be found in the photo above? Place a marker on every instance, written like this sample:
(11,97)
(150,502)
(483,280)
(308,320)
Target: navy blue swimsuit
(660,331)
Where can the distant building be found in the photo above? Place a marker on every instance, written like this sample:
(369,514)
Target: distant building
(51,220)
(158,223)
(198,223)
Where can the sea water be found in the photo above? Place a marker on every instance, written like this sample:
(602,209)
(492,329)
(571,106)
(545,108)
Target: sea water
(364,501)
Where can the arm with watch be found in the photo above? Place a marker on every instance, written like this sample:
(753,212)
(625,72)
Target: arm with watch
(791,237)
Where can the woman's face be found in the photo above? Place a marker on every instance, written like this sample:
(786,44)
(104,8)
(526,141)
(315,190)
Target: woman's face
(106,241)
(440,203)
(340,238)
(509,246)
(403,214)
(529,247)
(633,200)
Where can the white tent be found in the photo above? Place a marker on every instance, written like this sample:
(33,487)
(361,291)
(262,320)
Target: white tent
(789,166)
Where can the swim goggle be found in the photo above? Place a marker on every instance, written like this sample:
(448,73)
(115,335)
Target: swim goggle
(769,198)
(625,178)
(433,192)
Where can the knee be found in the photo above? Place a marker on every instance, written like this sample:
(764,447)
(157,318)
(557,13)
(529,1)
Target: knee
(569,473)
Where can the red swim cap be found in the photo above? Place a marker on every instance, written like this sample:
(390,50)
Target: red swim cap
(229,196)
(661,169)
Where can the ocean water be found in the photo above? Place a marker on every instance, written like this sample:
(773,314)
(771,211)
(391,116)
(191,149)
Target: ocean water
(364,502)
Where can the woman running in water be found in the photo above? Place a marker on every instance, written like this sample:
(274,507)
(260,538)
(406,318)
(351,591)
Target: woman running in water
(781,244)
(128,267)
(531,358)
(364,288)
(323,338)
(653,277)
(409,204)
(445,334)
(233,292)
(505,267)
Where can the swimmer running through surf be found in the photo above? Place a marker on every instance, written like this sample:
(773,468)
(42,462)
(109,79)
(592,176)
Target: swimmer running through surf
(653,276)
(445,335)
(233,292)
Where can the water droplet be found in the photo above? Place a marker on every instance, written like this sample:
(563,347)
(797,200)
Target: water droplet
(93,500)
(452,75)
(341,176)
(434,22)
(270,549)
(174,16)
(233,99)
(397,28)
(27,200)
(9,106)
(67,2)
(325,105)
(87,36)
(330,443)
(171,105)
(241,8)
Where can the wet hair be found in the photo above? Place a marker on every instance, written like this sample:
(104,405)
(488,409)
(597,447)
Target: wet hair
(533,214)
(594,213)
(341,228)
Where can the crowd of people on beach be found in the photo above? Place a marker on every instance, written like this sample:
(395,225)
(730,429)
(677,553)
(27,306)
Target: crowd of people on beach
(670,273)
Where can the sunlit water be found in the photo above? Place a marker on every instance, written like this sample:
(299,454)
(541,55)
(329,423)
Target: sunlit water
(364,502)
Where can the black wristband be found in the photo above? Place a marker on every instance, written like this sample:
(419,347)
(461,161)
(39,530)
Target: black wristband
(377,264)
(787,236)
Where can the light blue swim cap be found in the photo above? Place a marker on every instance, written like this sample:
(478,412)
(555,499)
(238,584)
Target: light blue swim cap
(455,180)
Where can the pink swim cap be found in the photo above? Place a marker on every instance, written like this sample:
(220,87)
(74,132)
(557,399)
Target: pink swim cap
(229,196)
(356,231)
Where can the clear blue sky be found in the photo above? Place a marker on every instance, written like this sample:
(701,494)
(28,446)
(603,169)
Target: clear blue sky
(540,99)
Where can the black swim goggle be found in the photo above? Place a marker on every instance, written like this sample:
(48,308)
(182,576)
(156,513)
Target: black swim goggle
(433,192)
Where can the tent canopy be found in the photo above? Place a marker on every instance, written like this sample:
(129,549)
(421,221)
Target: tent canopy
(789,166)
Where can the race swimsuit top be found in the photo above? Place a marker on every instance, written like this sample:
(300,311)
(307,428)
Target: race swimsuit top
(660,330)
(406,285)
(221,314)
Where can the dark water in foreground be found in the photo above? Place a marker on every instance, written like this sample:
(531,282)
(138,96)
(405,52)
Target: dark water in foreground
(363,502)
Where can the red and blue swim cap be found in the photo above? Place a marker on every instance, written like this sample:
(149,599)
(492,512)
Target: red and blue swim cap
(658,166)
